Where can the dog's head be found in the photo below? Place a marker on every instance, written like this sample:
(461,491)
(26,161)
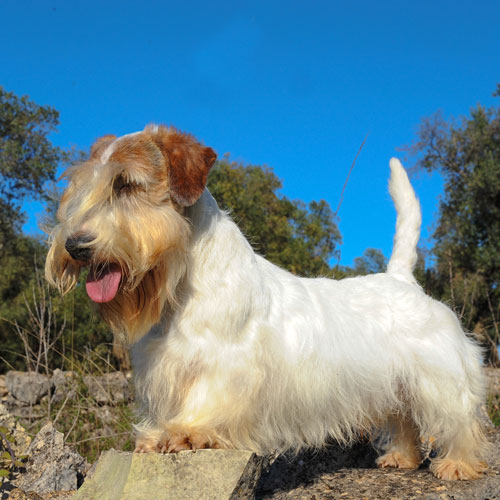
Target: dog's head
(122,217)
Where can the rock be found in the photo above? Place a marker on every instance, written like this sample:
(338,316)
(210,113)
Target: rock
(63,385)
(51,466)
(22,440)
(201,475)
(3,387)
(19,446)
(25,412)
(110,388)
(27,387)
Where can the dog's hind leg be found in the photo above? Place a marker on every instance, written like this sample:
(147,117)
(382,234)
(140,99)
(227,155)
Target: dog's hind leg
(447,398)
(403,450)
(459,453)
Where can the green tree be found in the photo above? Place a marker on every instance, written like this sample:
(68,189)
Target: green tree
(294,236)
(467,245)
(28,162)
(371,262)
(27,158)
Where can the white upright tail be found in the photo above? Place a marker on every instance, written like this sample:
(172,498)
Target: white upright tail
(409,219)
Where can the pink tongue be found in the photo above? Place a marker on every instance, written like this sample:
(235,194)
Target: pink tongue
(104,286)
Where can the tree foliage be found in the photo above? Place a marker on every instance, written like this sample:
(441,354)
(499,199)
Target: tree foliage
(294,236)
(371,262)
(27,157)
(467,244)
(28,160)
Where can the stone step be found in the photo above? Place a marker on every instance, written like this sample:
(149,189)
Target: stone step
(200,474)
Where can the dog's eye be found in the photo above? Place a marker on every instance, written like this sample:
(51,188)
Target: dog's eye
(123,185)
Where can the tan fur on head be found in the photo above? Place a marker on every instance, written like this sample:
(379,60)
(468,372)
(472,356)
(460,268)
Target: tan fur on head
(100,145)
(129,201)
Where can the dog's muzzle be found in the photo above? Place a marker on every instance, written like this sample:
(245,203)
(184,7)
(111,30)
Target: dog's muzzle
(77,247)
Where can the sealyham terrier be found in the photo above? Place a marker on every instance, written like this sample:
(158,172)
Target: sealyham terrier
(231,351)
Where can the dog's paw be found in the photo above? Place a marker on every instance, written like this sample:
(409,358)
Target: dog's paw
(397,460)
(173,441)
(453,470)
(145,444)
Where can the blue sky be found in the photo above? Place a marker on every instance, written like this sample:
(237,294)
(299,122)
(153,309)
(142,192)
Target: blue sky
(294,85)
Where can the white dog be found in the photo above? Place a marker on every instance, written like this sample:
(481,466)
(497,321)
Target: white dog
(232,351)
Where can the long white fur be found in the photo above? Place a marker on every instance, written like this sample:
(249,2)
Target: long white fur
(404,253)
(272,361)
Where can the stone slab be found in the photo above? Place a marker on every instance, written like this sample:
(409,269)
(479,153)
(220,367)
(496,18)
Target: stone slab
(201,474)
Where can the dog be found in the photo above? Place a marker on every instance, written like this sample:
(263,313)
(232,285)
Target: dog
(231,351)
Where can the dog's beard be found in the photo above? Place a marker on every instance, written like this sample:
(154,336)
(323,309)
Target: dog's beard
(132,312)
(128,302)
(133,274)
(137,306)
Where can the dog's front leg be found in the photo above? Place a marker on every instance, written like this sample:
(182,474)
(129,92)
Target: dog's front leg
(147,439)
(175,437)
(179,437)
(198,423)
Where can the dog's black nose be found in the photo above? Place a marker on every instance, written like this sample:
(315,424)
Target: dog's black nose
(75,247)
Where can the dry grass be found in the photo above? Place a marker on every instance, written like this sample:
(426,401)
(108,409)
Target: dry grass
(493,406)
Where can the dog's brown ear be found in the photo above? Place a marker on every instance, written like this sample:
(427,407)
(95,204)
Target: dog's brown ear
(100,145)
(188,163)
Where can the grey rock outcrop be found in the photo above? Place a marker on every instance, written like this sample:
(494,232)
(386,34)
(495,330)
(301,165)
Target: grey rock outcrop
(52,466)
(21,440)
(63,385)
(27,387)
(110,388)
(3,387)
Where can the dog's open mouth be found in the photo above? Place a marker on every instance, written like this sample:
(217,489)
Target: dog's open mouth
(103,282)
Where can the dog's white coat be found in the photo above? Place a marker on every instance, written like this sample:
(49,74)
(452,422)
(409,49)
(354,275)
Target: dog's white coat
(272,361)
